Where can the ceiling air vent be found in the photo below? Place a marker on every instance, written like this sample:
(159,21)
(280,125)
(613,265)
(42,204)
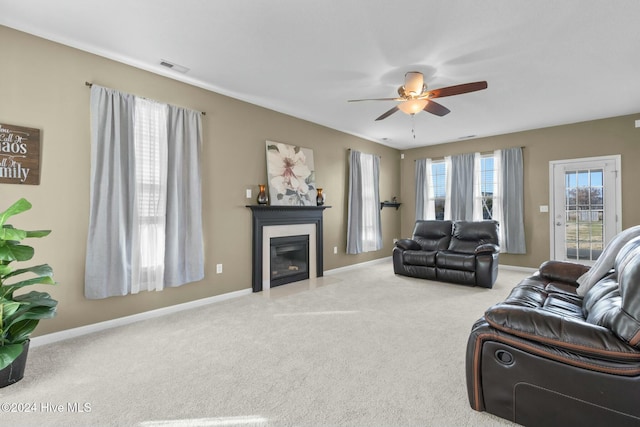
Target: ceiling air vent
(175,67)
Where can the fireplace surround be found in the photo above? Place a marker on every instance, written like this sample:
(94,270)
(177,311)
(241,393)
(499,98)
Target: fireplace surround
(280,221)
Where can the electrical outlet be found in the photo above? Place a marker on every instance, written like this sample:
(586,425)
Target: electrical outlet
(248,193)
(394,241)
(218,268)
(335,249)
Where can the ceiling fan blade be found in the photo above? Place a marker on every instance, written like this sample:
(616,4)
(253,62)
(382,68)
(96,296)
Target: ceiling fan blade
(388,113)
(457,89)
(437,109)
(376,99)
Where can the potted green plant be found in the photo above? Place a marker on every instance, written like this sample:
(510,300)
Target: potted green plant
(19,313)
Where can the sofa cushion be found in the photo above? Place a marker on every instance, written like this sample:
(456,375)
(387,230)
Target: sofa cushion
(468,235)
(432,235)
(424,258)
(456,261)
(616,306)
(606,259)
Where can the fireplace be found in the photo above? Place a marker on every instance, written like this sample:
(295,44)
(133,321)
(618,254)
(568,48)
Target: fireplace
(271,222)
(289,259)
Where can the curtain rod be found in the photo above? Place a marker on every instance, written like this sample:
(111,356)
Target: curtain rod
(349,149)
(482,152)
(204,113)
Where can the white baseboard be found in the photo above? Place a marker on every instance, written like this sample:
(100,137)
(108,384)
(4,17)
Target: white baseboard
(121,321)
(518,268)
(359,265)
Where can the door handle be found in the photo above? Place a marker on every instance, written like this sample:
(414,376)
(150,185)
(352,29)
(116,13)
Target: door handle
(558,223)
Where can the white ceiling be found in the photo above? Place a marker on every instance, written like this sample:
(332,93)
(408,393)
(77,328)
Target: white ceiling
(547,62)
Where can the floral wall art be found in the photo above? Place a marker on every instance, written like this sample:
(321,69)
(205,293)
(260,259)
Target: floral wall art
(291,175)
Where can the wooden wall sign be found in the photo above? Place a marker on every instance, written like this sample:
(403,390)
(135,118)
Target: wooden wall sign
(19,155)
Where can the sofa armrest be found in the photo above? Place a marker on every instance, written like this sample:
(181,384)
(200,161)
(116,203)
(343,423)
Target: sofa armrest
(408,244)
(487,248)
(560,271)
(561,332)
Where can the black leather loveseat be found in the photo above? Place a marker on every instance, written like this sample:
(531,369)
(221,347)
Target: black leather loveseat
(553,354)
(464,252)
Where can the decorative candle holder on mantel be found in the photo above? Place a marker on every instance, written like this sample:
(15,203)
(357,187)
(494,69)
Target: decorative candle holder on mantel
(262,198)
(319,197)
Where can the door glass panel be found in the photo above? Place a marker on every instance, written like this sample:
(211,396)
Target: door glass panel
(584,213)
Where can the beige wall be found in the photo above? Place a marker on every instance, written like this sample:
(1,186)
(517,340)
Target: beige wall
(42,86)
(588,139)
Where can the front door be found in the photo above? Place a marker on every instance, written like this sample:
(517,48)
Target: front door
(585,211)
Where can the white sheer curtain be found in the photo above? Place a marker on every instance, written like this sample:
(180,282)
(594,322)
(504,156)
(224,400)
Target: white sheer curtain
(447,199)
(364,230)
(140,232)
(149,215)
(431,198)
(477,187)
(497,202)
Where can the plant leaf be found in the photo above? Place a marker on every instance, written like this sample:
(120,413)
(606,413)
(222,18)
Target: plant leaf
(43,280)
(8,307)
(40,270)
(38,233)
(36,298)
(30,313)
(7,232)
(21,330)
(16,208)
(5,269)
(9,353)
(16,253)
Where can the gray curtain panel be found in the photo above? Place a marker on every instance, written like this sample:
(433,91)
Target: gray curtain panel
(112,194)
(112,203)
(184,254)
(421,188)
(361,213)
(462,187)
(512,201)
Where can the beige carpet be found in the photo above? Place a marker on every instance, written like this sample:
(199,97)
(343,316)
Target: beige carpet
(358,347)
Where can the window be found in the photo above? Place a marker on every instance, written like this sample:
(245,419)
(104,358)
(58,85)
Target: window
(476,187)
(488,181)
(439,187)
(145,196)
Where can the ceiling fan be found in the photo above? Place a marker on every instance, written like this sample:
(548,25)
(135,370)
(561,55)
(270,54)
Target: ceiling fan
(414,96)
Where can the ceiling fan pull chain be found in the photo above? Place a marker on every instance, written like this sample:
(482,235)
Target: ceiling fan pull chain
(413,125)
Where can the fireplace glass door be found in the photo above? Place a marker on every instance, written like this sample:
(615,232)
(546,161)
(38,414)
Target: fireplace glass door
(289,259)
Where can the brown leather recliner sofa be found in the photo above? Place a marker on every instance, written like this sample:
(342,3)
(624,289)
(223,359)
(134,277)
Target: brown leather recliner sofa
(557,354)
(464,252)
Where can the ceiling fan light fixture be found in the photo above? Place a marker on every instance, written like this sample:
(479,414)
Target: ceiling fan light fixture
(413,83)
(413,106)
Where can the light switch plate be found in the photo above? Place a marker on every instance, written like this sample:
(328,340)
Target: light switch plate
(248,193)
(544,208)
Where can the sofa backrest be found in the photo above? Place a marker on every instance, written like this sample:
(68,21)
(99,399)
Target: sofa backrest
(468,235)
(432,235)
(614,302)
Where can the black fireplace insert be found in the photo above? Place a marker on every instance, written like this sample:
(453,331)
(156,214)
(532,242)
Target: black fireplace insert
(289,259)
